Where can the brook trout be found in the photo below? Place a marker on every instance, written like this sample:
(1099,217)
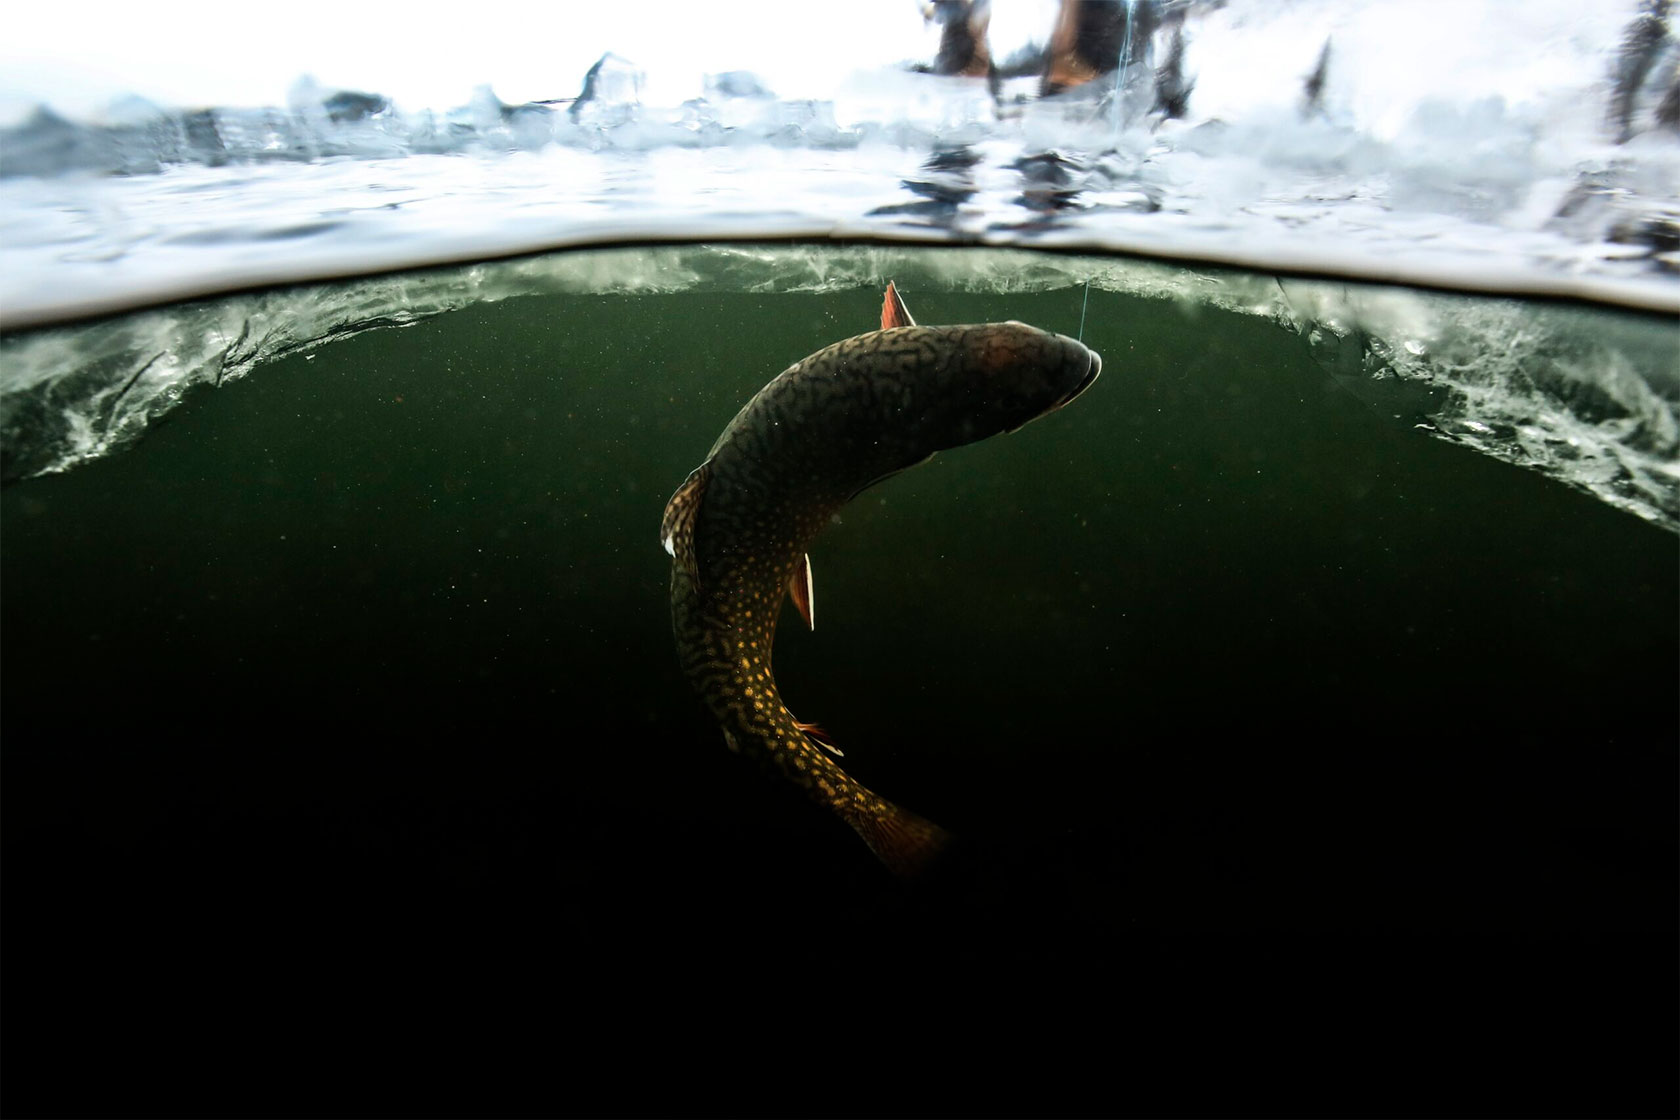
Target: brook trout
(816,436)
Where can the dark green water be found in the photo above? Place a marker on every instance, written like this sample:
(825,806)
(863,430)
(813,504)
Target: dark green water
(1303,762)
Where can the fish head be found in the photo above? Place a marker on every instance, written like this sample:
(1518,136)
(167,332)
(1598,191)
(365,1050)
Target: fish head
(1003,375)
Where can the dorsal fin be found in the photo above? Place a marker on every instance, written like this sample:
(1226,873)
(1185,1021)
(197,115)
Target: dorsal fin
(893,311)
(676,529)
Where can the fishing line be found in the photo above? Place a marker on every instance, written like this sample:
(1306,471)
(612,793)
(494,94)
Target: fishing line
(1082,309)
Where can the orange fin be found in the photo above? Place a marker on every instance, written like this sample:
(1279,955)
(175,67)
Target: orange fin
(906,843)
(820,737)
(803,594)
(676,529)
(893,311)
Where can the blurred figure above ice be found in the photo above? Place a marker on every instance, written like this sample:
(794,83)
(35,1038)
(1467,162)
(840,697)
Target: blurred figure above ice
(962,40)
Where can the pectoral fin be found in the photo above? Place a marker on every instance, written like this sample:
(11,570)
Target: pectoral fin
(676,530)
(803,594)
(893,311)
(820,737)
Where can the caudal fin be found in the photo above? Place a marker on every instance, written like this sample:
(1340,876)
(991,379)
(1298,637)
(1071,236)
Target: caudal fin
(906,843)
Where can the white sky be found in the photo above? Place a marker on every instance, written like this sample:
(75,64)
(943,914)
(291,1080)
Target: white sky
(79,56)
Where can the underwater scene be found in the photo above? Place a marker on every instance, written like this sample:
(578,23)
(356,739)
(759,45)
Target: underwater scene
(344,703)
(973,558)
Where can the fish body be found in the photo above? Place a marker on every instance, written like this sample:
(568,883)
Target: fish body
(819,433)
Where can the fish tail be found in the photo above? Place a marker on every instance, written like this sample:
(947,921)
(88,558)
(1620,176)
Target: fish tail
(906,843)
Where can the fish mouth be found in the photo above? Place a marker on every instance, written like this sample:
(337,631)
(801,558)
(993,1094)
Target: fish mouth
(1092,368)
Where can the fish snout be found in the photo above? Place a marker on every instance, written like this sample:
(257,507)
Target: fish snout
(1080,366)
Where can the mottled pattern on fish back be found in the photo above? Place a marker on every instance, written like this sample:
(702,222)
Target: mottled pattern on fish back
(820,432)
(776,477)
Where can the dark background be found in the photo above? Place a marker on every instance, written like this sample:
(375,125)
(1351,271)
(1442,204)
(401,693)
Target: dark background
(1301,762)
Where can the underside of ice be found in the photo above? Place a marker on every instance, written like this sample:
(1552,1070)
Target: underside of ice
(1589,396)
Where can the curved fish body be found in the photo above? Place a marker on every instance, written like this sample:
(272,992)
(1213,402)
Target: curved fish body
(819,433)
